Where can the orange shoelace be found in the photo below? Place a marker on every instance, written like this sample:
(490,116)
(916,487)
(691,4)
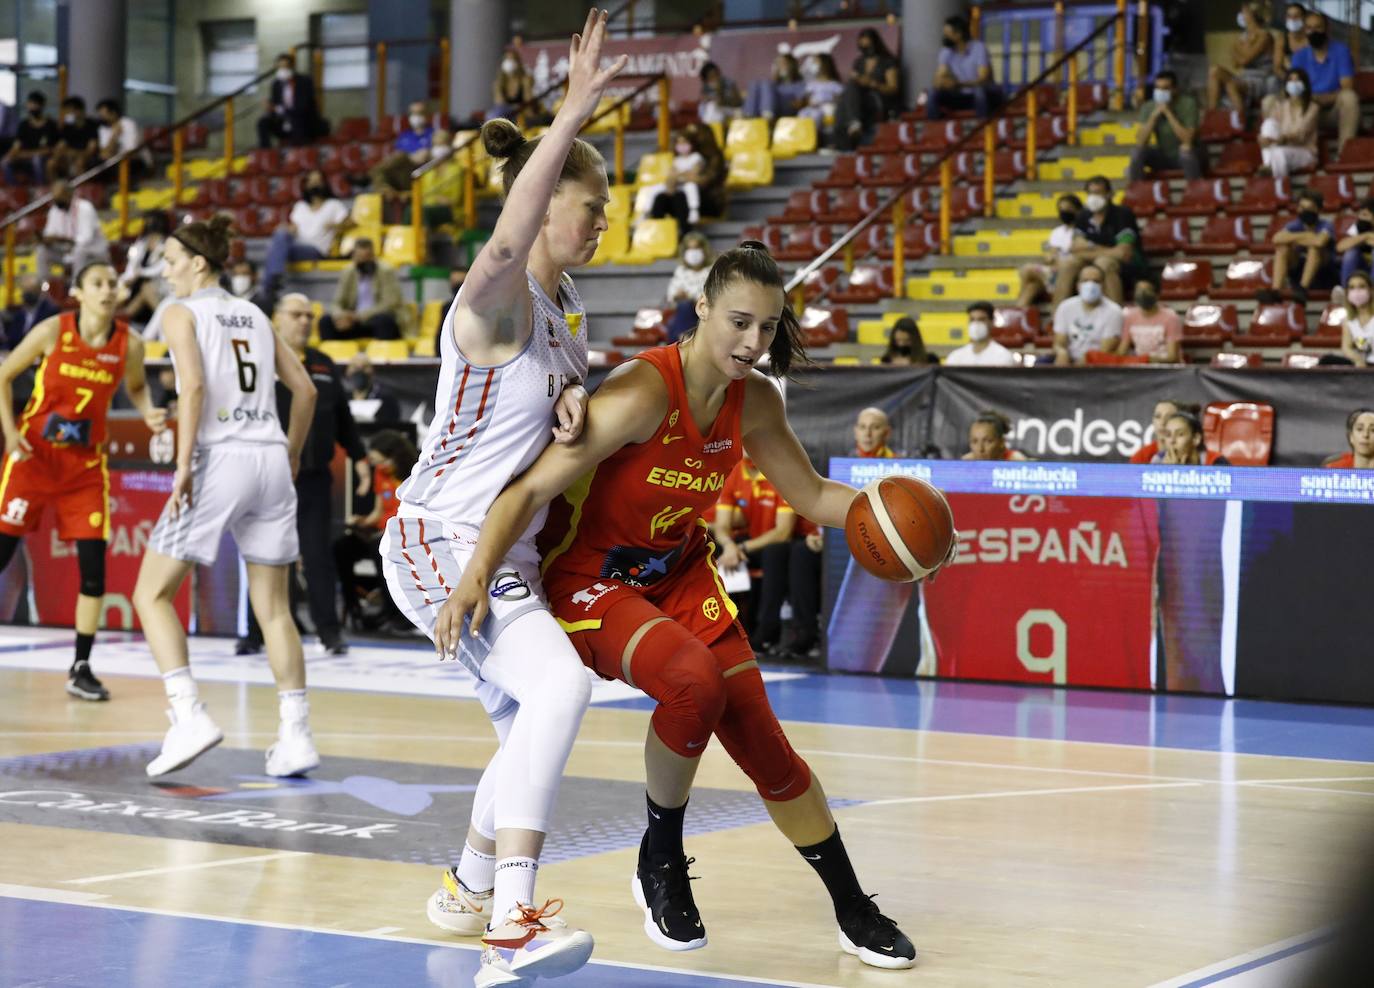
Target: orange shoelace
(532,918)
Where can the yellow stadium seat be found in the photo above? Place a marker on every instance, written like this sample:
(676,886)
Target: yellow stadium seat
(718,129)
(749,169)
(381,351)
(340,351)
(944,328)
(1002,243)
(793,135)
(993,284)
(154,350)
(746,134)
(654,168)
(367,209)
(430,318)
(425,346)
(614,243)
(653,240)
(622,203)
(873,332)
(1029,205)
(401,246)
(373,233)
(846,361)
(1082,169)
(1109,134)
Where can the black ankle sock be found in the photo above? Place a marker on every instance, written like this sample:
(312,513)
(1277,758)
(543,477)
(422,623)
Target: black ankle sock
(831,862)
(83,648)
(665,830)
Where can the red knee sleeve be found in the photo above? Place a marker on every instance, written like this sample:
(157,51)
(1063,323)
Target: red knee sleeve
(750,732)
(678,671)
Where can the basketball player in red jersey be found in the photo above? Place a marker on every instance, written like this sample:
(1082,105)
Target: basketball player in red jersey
(629,573)
(56,452)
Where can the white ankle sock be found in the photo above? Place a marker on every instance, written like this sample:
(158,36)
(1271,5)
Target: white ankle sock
(293,706)
(181,691)
(477,870)
(514,883)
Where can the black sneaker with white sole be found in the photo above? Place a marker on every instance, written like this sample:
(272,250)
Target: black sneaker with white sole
(873,938)
(663,889)
(81,683)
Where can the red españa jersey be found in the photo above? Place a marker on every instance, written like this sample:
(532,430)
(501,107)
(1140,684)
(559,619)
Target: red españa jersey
(759,502)
(636,514)
(384,485)
(73,389)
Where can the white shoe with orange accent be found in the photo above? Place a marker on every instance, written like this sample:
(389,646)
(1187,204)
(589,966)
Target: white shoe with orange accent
(495,971)
(457,908)
(537,943)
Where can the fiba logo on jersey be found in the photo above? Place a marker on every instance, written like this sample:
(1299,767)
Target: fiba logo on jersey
(710,608)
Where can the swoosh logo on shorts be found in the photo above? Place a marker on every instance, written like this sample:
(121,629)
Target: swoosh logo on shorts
(698,744)
(775,792)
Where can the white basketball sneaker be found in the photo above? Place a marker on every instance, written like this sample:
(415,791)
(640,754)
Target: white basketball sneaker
(536,943)
(294,753)
(495,970)
(186,740)
(457,908)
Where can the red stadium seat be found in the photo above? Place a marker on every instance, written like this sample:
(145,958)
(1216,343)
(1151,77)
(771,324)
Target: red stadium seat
(1202,197)
(1165,235)
(892,170)
(1244,279)
(1146,198)
(1241,431)
(919,238)
(1046,99)
(358,159)
(1205,324)
(1050,131)
(350,129)
(1091,96)
(897,135)
(803,206)
(1097,358)
(1276,224)
(831,325)
(1239,158)
(305,159)
(1219,126)
(1337,191)
(1222,234)
(1186,280)
(820,283)
(1328,329)
(1364,86)
(848,206)
(1355,156)
(844,173)
(866,284)
(966,202)
(804,242)
(931,137)
(1264,195)
(1230,360)
(1277,324)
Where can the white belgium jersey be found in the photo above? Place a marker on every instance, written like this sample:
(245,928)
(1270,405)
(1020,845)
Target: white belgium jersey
(490,423)
(239,357)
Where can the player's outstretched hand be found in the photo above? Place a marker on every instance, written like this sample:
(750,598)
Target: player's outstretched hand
(571,412)
(181,493)
(467,603)
(586,79)
(156,419)
(953,554)
(17,448)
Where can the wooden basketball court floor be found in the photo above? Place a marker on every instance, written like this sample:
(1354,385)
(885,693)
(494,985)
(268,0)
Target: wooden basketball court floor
(1021,836)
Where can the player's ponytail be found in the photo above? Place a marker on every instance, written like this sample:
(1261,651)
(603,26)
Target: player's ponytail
(752,262)
(209,239)
(505,144)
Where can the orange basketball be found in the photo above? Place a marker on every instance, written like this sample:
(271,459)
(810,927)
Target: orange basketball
(900,528)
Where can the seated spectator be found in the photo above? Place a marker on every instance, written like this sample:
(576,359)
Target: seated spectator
(34,306)
(720,100)
(987,438)
(78,141)
(1087,321)
(710,178)
(1357,249)
(695,257)
(292,113)
(120,134)
(1305,243)
(905,347)
(872,430)
(368,400)
(391,455)
(1331,72)
(512,87)
(872,94)
(1150,329)
(1169,119)
(963,75)
(34,140)
(311,232)
(678,195)
(1107,238)
(72,233)
(1251,73)
(412,149)
(367,302)
(823,91)
(980,350)
(141,282)
(243,283)
(1182,443)
(1288,136)
(1357,333)
(1294,38)
(1037,279)
(1359,433)
(1149,453)
(782,94)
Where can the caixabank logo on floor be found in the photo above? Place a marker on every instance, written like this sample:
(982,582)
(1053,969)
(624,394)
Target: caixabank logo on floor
(390,811)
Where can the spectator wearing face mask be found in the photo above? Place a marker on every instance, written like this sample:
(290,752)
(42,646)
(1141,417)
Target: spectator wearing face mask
(78,141)
(688,282)
(1251,71)
(1294,37)
(311,232)
(34,140)
(720,100)
(987,438)
(120,134)
(823,91)
(679,195)
(72,233)
(512,87)
(243,283)
(905,347)
(1288,136)
(414,146)
(782,94)
(1037,279)
(872,431)
(1331,71)
(1107,238)
(34,306)
(1182,443)
(1306,244)
(141,281)
(1169,119)
(963,76)
(1357,333)
(1150,329)
(367,302)
(1357,248)
(1087,321)
(1359,433)
(292,113)
(368,399)
(981,350)
(872,94)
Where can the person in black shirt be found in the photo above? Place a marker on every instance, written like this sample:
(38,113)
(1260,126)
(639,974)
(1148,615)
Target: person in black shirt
(333,424)
(293,113)
(872,94)
(1107,237)
(33,142)
(78,141)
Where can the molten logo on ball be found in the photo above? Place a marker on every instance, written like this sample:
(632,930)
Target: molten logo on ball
(900,528)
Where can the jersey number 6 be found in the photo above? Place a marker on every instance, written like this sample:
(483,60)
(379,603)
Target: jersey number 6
(248,371)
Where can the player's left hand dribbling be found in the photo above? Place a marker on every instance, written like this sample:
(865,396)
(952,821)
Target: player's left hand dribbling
(571,412)
(468,600)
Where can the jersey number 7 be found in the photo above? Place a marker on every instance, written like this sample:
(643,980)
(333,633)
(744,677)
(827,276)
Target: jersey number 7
(248,370)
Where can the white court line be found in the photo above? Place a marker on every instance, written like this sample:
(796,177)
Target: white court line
(69,896)
(382,931)
(1292,788)
(1308,939)
(1327,778)
(1018,792)
(188,867)
(38,894)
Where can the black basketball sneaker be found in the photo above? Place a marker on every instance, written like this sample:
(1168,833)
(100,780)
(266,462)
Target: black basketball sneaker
(663,890)
(873,938)
(81,682)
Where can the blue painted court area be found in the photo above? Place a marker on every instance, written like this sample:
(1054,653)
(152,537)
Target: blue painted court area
(58,944)
(1199,723)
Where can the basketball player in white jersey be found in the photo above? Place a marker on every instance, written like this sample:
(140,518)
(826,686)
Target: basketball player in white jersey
(514,349)
(234,471)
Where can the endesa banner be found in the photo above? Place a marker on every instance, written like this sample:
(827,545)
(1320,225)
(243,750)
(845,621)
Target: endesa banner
(1236,582)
